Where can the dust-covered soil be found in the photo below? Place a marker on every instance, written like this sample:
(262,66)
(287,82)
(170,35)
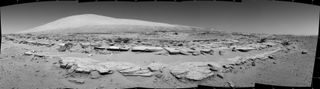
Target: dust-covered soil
(158,59)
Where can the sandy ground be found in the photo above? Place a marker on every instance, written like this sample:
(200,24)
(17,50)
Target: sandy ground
(288,68)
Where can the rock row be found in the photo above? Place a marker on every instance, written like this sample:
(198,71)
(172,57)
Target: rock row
(187,70)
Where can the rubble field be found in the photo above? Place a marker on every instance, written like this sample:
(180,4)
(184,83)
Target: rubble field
(159,59)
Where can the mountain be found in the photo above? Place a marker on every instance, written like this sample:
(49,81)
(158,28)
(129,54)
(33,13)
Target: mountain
(92,23)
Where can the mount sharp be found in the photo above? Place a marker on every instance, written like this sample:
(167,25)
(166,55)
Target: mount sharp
(92,23)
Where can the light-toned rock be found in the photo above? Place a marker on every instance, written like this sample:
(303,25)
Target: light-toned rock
(85,65)
(265,55)
(29,53)
(146,49)
(194,70)
(113,48)
(128,68)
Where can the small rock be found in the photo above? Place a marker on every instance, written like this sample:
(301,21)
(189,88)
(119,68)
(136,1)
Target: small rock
(94,75)
(271,57)
(244,49)
(304,52)
(158,75)
(196,53)
(253,64)
(220,75)
(233,49)
(230,84)
(77,81)
(227,66)
(221,52)
(161,53)
(172,50)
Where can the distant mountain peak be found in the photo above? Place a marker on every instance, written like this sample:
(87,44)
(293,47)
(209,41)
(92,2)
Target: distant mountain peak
(93,22)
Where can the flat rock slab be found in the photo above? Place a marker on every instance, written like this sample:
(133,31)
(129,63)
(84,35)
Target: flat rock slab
(156,66)
(244,49)
(82,65)
(195,70)
(118,48)
(146,49)
(77,81)
(172,50)
(87,65)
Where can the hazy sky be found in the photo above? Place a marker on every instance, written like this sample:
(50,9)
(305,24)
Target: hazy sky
(248,16)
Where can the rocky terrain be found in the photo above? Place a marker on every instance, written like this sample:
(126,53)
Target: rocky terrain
(153,59)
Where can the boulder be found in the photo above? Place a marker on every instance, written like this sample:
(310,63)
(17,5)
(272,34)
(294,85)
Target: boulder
(194,70)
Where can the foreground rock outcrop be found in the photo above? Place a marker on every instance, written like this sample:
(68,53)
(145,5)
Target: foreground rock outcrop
(195,70)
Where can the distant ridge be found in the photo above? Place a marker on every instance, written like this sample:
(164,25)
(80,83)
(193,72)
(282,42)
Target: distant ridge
(92,23)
